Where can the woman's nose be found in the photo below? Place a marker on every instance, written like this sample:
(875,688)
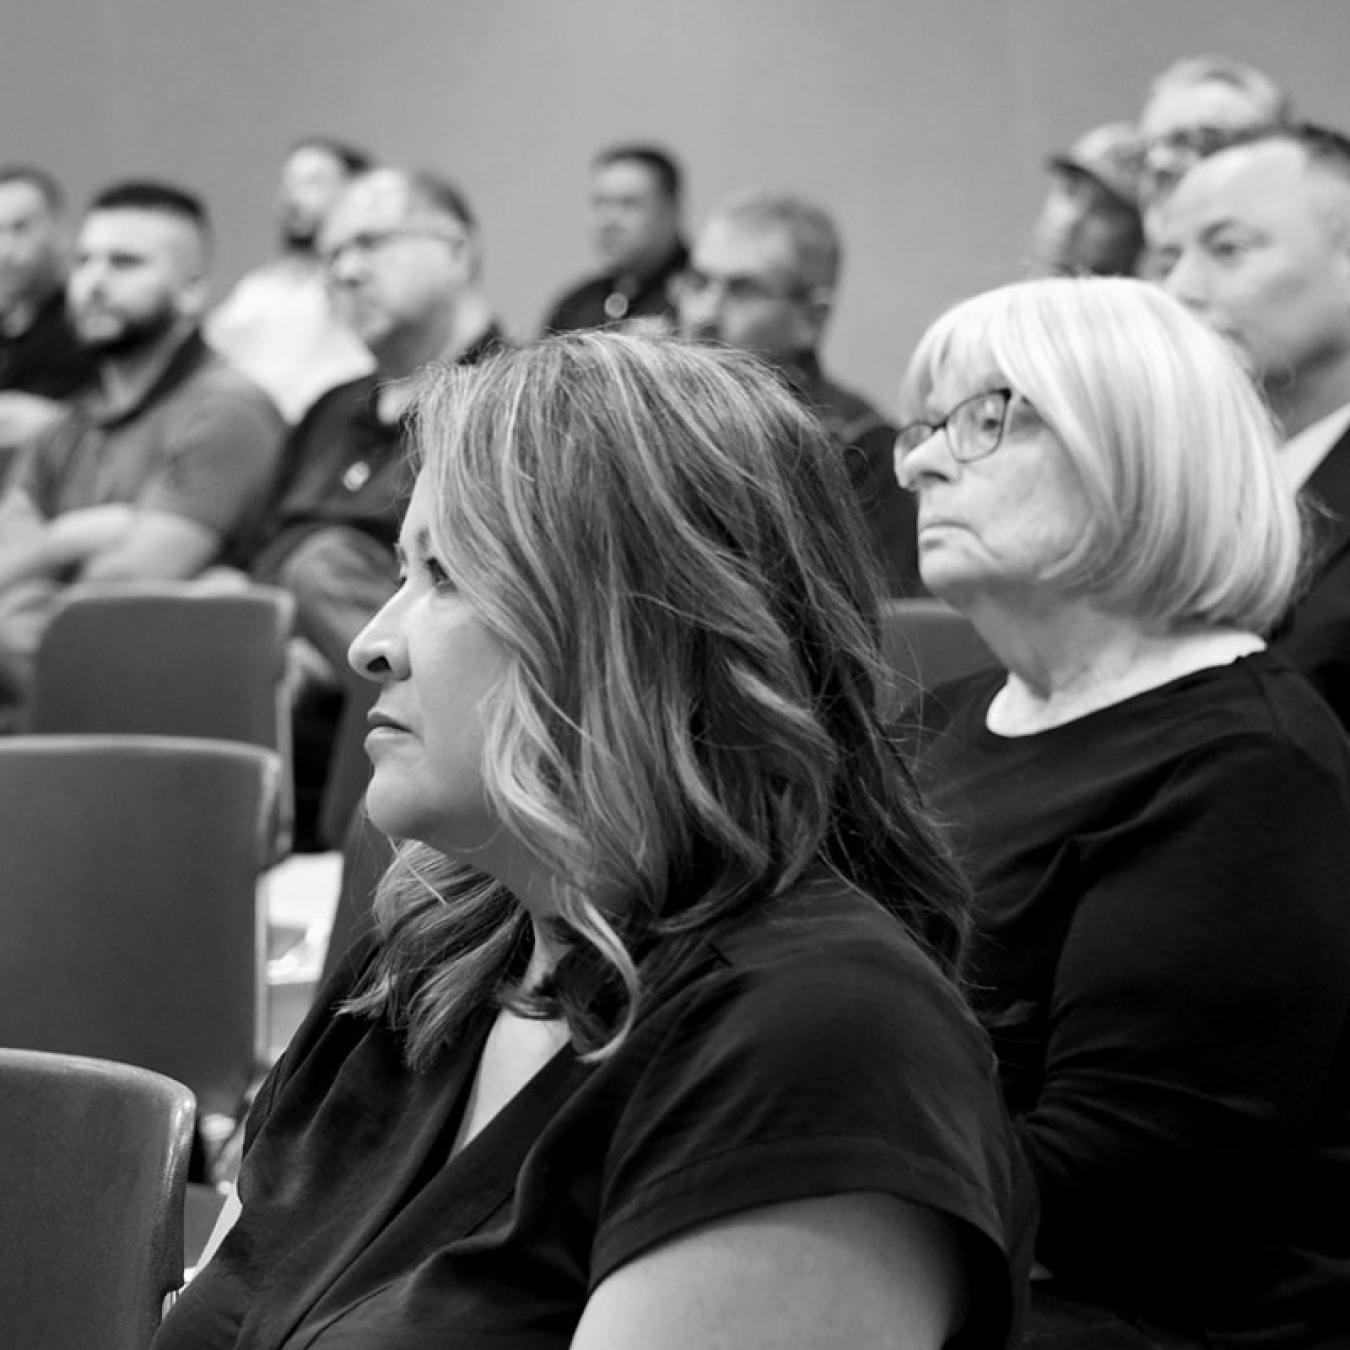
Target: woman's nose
(379,652)
(931,458)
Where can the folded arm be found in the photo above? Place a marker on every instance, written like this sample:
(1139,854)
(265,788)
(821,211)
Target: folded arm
(111,542)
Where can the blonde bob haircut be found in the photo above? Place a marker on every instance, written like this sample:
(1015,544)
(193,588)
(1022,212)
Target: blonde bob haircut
(1189,520)
(665,545)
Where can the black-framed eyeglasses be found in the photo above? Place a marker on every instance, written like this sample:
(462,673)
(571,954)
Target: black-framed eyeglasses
(367,242)
(1188,143)
(974,427)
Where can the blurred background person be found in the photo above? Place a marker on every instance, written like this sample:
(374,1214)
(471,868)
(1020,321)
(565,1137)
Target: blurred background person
(762,278)
(42,361)
(1196,105)
(403,256)
(278,324)
(636,208)
(161,466)
(1089,223)
(657,1041)
(1154,809)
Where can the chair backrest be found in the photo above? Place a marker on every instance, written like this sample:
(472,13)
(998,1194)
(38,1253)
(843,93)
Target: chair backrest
(93,1166)
(925,643)
(129,903)
(169,659)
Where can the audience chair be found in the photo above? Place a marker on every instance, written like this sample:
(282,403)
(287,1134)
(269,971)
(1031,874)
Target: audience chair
(170,659)
(926,643)
(130,905)
(93,1165)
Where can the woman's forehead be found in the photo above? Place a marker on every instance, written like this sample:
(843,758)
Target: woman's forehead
(956,379)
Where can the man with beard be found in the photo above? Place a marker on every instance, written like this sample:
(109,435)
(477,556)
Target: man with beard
(278,325)
(157,470)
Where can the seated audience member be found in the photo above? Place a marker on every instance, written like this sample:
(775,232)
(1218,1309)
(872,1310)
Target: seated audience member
(656,1043)
(1154,809)
(160,467)
(1256,239)
(762,279)
(41,360)
(1195,106)
(278,325)
(635,219)
(404,260)
(1089,223)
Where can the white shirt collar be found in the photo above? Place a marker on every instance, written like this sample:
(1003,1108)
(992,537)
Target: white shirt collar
(1300,455)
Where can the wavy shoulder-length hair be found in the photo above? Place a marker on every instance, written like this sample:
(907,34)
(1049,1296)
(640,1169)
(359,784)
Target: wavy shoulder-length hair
(665,545)
(1190,521)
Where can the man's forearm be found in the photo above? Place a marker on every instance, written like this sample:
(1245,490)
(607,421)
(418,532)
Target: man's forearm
(65,543)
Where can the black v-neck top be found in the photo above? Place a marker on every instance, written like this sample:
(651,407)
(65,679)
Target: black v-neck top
(811,1052)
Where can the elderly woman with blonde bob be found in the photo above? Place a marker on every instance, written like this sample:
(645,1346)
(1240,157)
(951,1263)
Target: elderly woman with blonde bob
(657,1042)
(1152,807)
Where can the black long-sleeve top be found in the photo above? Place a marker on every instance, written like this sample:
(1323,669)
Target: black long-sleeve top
(1163,957)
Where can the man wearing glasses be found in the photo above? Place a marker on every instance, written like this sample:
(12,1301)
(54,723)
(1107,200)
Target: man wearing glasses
(403,258)
(762,278)
(1197,106)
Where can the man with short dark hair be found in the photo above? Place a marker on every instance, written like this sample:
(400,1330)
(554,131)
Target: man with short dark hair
(41,360)
(278,324)
(157,469)
(762,278)
(1256,239)
(635,220)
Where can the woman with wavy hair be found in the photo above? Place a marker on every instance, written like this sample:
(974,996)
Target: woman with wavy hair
(657,1041)
(1154,809)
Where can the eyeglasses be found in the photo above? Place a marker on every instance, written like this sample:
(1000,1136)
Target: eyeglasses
(974,427)
(736,289)
(1190,143)
(366,242)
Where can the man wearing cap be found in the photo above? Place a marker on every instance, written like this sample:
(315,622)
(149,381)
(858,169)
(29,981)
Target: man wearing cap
(1090,222)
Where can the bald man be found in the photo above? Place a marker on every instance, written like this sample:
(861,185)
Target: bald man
(1256,239)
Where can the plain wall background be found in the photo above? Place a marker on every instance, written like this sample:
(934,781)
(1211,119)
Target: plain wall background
(923,124)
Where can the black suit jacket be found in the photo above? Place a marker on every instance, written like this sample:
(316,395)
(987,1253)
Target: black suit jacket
(1315,637)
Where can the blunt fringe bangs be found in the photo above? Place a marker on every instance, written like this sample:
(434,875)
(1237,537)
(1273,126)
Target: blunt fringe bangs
(1190,521)
(666,546)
